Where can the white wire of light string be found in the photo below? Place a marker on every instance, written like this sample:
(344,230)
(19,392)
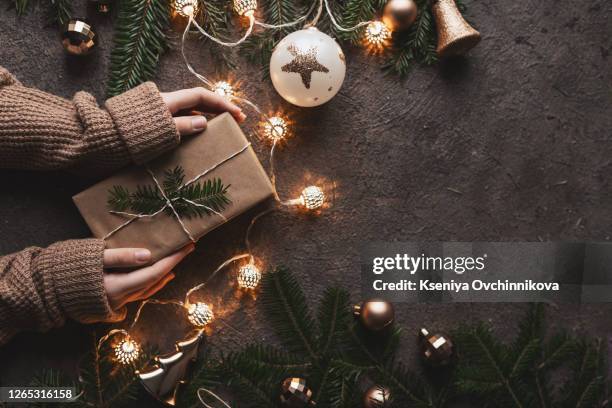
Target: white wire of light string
(253,21)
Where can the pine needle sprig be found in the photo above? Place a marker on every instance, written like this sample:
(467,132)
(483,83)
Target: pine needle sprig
(215,18)
(21,6)
(287,310)
(59,11)
(194,200)
(258,48)
(139,41)
(353,13)
(417,45)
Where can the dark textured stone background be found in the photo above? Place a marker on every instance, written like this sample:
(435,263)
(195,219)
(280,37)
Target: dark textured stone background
(521,129)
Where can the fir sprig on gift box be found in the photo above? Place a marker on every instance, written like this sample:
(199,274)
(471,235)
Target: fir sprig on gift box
(193,200)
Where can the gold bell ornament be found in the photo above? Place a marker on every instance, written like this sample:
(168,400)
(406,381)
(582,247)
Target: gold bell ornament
(455,35)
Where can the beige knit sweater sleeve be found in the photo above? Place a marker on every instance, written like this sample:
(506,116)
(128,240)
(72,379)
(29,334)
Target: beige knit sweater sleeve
(41,288)
(40,131)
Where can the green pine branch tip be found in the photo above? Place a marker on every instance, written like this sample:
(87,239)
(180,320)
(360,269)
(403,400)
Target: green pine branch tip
(193,200)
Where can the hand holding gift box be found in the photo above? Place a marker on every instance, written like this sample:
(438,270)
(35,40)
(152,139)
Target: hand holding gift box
(180,196)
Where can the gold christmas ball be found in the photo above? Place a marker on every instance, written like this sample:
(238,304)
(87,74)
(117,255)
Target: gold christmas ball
(399,15)
(248,276)
(437,349)
(375,315)
(200,314)
(245,7)
(78,37)
(313,197)
(295,393)
(126,351)
(376,396)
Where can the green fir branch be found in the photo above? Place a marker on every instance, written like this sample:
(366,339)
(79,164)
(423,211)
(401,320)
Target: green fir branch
(215,18)
(139,41)
(21,6)
(59,11)
(258,48)
(194,200)
(287,311)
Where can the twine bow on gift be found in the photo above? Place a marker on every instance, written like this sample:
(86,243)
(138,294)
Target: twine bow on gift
(171,202)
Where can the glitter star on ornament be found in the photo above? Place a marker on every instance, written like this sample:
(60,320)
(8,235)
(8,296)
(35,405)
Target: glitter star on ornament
(304,63)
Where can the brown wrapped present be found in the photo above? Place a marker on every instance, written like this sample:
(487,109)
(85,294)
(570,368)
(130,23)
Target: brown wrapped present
(222,179)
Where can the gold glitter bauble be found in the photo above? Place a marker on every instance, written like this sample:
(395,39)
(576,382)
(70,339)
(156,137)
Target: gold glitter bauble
(185,8)
(313,197)
(307,67)
(223,88)
(78,37)
(377,34)
(275,128)
(455,35)
(375,315)
(248,276)
(438,349)
(376,397)
(127,351)
(245,7)
(399,15)
(200,314)
(295,393)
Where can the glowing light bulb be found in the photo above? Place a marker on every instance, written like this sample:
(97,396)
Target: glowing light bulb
(200,314)
(276,128)
(186,8)
(127,351)
(245,7)
(223,88)
(377,34)
(312,198)
(248,276)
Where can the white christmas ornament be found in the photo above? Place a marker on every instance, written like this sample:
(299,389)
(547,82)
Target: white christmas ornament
(307,67)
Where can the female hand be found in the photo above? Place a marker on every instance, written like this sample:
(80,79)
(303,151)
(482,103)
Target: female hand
(122,288)
(185,101)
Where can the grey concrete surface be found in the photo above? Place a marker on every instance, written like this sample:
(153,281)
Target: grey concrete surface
(520,130)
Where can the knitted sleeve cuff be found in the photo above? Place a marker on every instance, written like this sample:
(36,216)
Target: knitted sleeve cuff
(6,78)
(76,270)
(144,122)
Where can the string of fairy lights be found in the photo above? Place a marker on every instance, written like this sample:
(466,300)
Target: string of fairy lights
(274,129)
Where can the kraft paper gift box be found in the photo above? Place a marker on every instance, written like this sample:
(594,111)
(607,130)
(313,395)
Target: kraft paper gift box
(162,234)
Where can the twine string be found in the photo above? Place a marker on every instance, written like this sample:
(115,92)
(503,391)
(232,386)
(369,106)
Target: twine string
(337,25)
(246,35)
